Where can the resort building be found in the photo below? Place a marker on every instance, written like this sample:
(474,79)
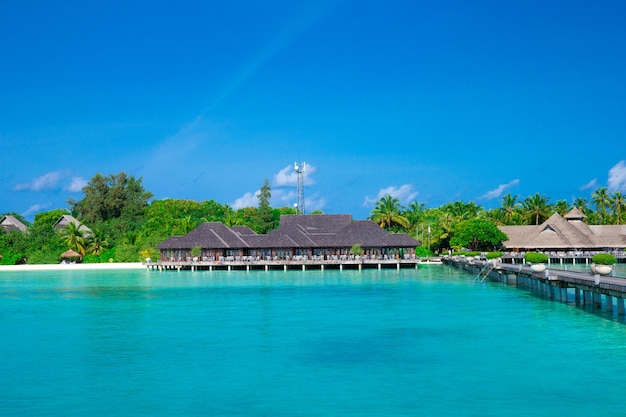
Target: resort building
(299,237)
(566,237)
(66,219)
(10,223)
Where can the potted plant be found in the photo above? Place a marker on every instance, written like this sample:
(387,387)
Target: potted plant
(602,263)
(493,257)
(536,260)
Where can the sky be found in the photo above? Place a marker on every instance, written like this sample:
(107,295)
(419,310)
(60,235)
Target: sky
(426,101)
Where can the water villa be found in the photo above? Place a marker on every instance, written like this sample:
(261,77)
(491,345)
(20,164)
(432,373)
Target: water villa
(566,238)
(301,241)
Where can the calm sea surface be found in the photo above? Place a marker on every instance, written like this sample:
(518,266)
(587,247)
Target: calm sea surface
(429,342)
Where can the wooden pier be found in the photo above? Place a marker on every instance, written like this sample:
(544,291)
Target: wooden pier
(582,288)
(274,265)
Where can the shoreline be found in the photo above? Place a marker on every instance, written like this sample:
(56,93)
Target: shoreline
(72,267)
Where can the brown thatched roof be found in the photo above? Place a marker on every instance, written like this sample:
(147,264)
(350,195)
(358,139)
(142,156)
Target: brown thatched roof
(295,231)
(565,233)
(9,223)
(71,254)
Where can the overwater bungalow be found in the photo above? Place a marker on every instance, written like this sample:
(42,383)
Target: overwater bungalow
(299,237)
(568,237)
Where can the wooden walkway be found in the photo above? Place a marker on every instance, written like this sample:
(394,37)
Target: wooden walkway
(303,265)
(584,288)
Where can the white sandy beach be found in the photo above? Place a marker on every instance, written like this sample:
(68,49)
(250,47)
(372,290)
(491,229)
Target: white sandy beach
(69,267)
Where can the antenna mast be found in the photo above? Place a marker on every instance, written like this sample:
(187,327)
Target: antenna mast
(300,168)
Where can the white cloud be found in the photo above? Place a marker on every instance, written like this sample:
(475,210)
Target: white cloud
(247,200)
(284,191)
(590,185)
(288,177)
(496,193)
(405,193)
(35,209)
(617,177)
(287,198)
(47,181)
(314,203)
(76,185)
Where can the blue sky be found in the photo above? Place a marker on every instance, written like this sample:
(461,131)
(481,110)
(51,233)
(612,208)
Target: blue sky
(428,101)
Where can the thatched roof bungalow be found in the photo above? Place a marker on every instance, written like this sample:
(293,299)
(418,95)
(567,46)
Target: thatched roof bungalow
(306,236)
(10,223)
(66,219)
(568,233)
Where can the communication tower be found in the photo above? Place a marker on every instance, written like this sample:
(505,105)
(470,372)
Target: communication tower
(300,168)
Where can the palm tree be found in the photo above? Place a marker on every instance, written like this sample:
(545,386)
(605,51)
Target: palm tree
(536,206)
(601,200)
(96,244)
(414,214)
(73,236)
(497,216)
(461,210)
(562,207)
(619,206)
(582,205)
(510,207)
(388,212)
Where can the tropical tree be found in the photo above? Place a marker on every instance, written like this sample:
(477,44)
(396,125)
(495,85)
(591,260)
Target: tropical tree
(96,243)
(74,238)
(184,225)
(510,206)
(388,212)
(582,205)
(264,215)
(461,210)
(414,214)
(111,197)
(536,208)
(562,207)
(618,205)
(601,200)
(478,234)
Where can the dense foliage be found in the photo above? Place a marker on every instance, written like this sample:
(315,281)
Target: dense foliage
(535,257)
(126,225)
(603,259)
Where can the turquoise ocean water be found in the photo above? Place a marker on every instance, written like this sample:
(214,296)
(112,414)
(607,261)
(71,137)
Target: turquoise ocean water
(429,342)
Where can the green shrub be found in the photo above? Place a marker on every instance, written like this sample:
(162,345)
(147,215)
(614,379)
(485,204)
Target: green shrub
(356,249)
(422,252)
(603,259)
(535,257)
(493,255)
(11,258)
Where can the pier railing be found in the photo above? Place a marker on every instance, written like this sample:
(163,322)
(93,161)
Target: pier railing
(296,262)
(558,284)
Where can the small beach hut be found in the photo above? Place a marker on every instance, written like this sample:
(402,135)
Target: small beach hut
(71,255)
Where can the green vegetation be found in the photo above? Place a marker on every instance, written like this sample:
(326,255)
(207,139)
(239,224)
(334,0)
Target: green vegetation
(535,257)
(603,259)
(493,255)
(477,234)
(126,225)
(356,249)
